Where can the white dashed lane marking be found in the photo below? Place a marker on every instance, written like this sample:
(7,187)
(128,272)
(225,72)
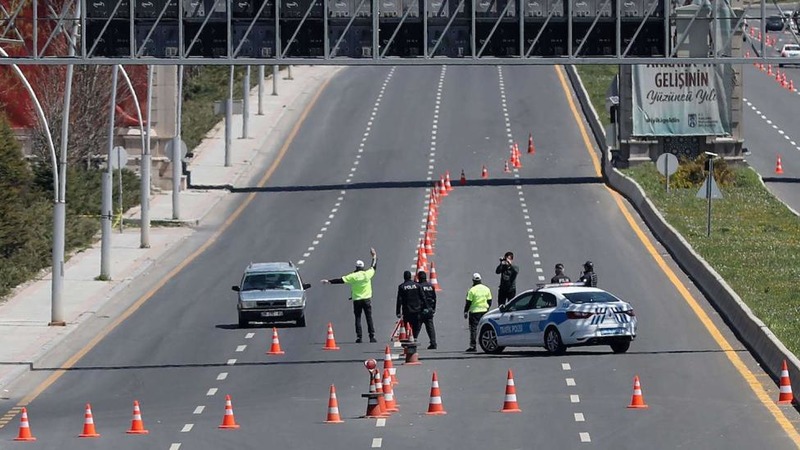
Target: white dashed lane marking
(175,446)
(585,437)
(211,392)
(222,376)
(231,362)
(199,409)
(774,127)
(570,381)
(240,348)
(249,335)
(187,428)
(574,398)
(566,366)
(380,423)
(377,442)
(579,417)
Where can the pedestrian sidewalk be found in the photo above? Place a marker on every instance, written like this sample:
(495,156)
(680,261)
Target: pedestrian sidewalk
(25,314)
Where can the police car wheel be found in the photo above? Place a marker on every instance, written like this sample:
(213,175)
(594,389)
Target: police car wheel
(620,347)
(488,340)
(553,343)
(243,323)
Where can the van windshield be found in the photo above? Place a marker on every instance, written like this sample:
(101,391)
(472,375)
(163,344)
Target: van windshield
(269,281)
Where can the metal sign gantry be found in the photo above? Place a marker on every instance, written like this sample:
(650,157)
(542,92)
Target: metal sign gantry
(363,32)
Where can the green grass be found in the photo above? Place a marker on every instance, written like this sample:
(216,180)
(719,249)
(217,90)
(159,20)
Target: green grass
(755,239)
(596,80)
(754,243)
(203,85)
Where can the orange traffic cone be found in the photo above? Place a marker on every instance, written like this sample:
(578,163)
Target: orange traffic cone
(769,69)
(435,406)
(434,280)
(333,408)
(506,169)
(448,187)
(517,159)
(428,245)
(442,187)
(791,85)
(403,335)
(463,180)
(330,341)
(510,403)
(779,166)
(88,424)
(24,428)
(531,148)
(228,420)
(373,404)
(137,425)
(785,397)
(381,395)
(389,365)
(275,349)
(637,401)
(388,392)
(484,172)
(430,223)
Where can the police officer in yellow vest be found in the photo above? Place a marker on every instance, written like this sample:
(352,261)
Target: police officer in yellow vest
(360,282)
(479,300)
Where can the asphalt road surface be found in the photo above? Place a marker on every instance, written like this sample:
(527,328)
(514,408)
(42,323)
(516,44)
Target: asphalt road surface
(771,123)
(355,176)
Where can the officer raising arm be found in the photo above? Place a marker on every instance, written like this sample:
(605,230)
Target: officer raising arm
(360,282)
(479,299)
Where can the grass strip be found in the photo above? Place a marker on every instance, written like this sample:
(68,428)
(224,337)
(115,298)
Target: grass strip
(755,239)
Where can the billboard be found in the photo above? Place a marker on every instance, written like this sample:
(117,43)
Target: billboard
(682,99)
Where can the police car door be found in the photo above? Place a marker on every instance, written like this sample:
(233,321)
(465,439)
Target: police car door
(543,304)
(514,328)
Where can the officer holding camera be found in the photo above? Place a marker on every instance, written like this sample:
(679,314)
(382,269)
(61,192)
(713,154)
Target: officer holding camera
(508,278)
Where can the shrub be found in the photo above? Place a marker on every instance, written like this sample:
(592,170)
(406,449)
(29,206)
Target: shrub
(692,173)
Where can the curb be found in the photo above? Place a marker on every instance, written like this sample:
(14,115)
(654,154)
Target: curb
(751,331)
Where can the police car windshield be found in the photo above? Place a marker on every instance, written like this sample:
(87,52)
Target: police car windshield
(272,280)
(590,297)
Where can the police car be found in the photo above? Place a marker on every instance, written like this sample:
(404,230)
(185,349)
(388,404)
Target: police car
(557,316)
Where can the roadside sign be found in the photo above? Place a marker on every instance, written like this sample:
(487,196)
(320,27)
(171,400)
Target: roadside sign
(667,164)
(168,149)
(119,157)
(704,192)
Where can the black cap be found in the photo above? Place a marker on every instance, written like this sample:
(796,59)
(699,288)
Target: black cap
(588,265)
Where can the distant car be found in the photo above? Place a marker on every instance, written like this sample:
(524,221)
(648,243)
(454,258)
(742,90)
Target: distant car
(790,51)
(271,292)
(774,23)
(557,316)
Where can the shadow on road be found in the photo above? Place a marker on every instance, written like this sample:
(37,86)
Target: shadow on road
(404,184)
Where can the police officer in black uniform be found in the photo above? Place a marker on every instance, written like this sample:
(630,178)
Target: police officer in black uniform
(588,277)
(560,276)
(428,308)
(410,302)
(508,278)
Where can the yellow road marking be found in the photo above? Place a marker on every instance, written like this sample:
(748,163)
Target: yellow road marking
(142,300)
(749,377)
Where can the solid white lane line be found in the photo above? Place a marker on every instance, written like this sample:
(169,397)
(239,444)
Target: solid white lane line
(249,335)
(222,376)
(585,437)
(187,428)
(211,392)
(376,442)
(579,417)
(241,348)
(199,409)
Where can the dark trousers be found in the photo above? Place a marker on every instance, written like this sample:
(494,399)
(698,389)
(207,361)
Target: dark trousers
(413,319)
(474,318)
(505,294)
(366,307)
(430,330)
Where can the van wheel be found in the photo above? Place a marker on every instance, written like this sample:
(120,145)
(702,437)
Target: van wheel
(301,322)
(243,323)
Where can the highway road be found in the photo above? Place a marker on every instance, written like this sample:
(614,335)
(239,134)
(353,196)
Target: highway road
(770,122)
(355,176)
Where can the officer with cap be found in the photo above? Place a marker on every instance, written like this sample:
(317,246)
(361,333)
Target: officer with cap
(560,276)
(588,277)
(360,282)
(479,300)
